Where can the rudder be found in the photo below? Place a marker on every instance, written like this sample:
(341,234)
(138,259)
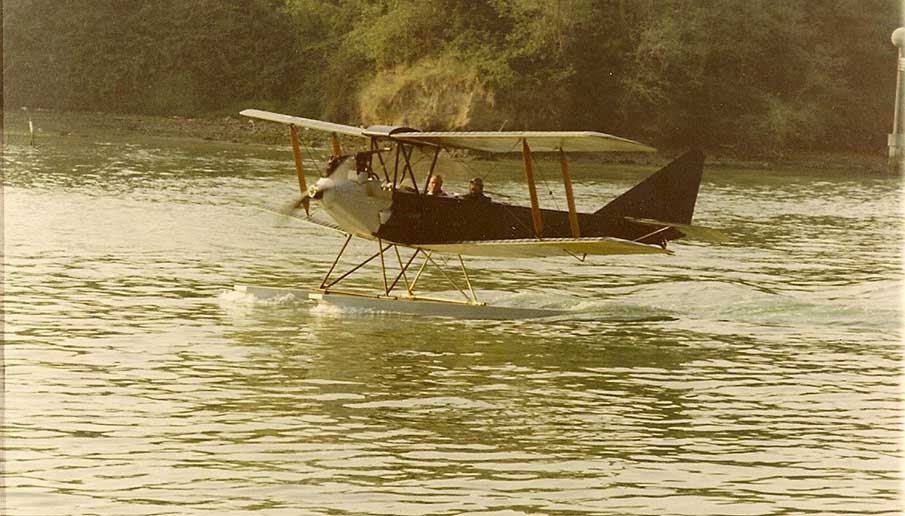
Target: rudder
(668,194)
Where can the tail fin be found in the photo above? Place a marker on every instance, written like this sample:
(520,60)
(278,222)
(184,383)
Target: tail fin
(667,195)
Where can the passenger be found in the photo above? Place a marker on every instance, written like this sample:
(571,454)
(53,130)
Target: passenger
(363,162)
(363,166)
(476,190)
(435,187)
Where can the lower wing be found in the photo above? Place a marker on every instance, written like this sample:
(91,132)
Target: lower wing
(513,248)
(530,248)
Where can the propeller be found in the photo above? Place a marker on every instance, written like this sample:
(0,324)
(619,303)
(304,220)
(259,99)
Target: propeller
(288,208)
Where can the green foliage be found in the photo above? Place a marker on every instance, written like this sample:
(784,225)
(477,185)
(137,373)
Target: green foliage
(756,76)
(783,125)
(167,56)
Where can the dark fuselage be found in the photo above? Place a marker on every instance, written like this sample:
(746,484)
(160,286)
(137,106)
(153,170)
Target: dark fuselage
(423,219)
(362,205)
(667,195)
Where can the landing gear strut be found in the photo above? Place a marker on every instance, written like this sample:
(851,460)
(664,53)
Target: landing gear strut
(391,287)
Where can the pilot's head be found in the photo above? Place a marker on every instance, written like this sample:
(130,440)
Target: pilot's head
(435,187)
(333,164)
(476,186)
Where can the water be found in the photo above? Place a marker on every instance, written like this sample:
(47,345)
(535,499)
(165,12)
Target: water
(762,376)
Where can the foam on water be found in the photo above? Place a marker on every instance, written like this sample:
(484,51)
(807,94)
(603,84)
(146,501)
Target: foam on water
(238,297)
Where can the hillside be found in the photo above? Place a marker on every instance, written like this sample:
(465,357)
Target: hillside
(749,77)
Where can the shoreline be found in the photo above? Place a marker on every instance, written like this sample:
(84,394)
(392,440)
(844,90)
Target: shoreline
(228,129)
(239,130)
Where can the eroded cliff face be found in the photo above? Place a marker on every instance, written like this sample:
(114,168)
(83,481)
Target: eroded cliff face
(431,94)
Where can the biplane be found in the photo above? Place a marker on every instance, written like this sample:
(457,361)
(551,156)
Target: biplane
(375,194)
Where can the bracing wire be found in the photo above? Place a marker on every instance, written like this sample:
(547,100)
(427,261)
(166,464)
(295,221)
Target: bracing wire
(544,181)
(491,169)
(528,229)
(317,162)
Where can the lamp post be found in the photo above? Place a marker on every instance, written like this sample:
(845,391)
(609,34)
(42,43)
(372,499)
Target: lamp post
(897,138)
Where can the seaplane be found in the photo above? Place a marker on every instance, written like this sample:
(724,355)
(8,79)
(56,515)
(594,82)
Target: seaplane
(376,194)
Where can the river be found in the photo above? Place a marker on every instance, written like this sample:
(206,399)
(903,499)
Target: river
(760,376)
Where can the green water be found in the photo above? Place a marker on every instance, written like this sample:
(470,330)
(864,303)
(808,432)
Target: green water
(763,376)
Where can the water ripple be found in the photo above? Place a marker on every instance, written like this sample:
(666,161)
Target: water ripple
(758,377)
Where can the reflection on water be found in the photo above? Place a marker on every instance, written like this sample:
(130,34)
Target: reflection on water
(758,377)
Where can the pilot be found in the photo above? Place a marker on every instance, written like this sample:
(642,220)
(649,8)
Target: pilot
(476,190)
(435,187)
(332,165)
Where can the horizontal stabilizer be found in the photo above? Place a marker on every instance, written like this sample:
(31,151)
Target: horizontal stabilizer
(308,123)
(694,232)
(531,248)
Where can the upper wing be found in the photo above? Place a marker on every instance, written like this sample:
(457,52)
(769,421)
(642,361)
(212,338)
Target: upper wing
(530,248)
(487,141)
(695,232)
(538,141)
(309,123)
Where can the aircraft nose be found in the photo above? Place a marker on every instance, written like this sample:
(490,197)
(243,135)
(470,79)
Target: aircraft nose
(317,190)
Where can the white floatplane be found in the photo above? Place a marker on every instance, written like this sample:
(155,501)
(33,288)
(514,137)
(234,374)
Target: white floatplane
(382,200)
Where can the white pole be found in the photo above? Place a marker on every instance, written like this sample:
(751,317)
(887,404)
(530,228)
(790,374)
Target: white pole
(896,140)
(31,131)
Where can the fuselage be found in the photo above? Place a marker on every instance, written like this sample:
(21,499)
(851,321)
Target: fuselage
(369,208)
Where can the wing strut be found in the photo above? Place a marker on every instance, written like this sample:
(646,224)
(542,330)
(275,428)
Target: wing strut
(297,156)
(570,198)
(532,190)
(337,148)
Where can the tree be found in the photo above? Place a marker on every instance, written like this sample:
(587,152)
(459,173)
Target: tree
(163,57)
